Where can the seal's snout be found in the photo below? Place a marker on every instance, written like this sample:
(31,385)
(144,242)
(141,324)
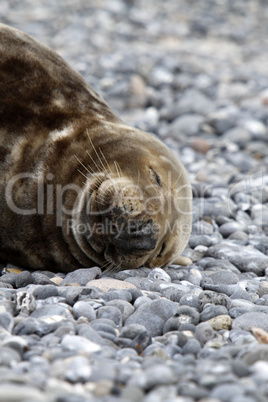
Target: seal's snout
(136,237)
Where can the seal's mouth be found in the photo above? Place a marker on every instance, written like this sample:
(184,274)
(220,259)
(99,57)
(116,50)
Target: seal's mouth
(130,240)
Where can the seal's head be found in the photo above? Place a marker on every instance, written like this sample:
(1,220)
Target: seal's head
(135,209)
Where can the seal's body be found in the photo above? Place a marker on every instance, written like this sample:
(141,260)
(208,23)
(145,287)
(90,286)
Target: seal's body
(77,186)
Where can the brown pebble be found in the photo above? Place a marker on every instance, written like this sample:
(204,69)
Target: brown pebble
(183,261)
(11,270)
(220,322)
(56,279)
(200,145)
(137,85)
(260,334)
(106,283)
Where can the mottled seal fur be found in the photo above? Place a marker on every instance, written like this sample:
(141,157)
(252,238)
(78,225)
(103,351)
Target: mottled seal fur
(78,187)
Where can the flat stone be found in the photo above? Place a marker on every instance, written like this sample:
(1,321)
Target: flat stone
(79,344)
(106,283)
(81,276)
(252,319)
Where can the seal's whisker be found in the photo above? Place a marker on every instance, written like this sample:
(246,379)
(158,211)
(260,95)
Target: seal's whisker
(110,267)
(116,269)
(105,160)
(117,167)
(101,171)
(83,174)
(81,163)
(93,160)
(106,264)
(87,169)
(98,156)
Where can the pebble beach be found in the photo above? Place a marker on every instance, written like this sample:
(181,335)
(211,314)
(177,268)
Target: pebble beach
(194,74)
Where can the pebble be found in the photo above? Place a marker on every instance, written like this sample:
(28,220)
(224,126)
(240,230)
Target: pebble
(126,308)
(212,311)
(192,346)
(84,309)
(112,313)
(204,333)
(153,315)
(23,279)
(247,259)
(220,322)
(45,291)
(81,276)
(41,279)
(106,283)
(251,319)
(79,344)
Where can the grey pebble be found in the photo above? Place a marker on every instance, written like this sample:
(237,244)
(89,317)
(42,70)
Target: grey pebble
(45,291)
(105,329)
(18,393)
(41,279)
(126,308)
(84,309)
(4,285)
(214,298)
(227,392)
(187,315)
(204,333)
(190,300)
(72,294)
(140,283)
(112,313)
(192,346)
(23,279)
(212,311)
(9,278)
(132,330)
(153,315)
(158,274)
(52,310)
(229,228)
(154,376)
(245,258)
(188,124)
(224,277)
(81,276)
(6,321)
(239,238)
(26,326)
(251,319)
(78,370)
(79,344)
(9,356)
(90,333)
(117,295)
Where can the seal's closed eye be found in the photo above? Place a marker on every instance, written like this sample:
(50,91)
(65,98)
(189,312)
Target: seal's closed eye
(156,177)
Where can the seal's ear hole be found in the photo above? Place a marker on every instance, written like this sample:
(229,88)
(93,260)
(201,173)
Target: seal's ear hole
(162,250)
(156,177)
